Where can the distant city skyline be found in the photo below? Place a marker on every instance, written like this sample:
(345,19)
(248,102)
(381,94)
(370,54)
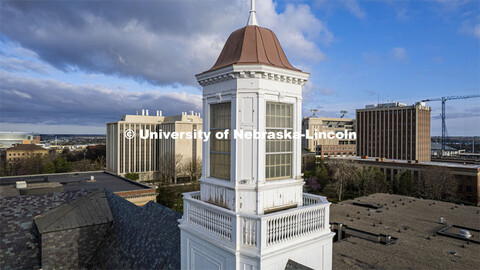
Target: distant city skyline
(79,65)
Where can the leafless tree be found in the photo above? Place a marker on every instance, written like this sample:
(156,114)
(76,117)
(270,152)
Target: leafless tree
(100,163)
(370,180)
(193,168)
(170,167)
(437,184)
(343,172)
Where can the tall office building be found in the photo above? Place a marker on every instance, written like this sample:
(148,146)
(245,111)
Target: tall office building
(251,212)
(323,146)
(394,131)
(152,157)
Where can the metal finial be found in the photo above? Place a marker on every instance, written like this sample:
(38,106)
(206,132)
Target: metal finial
(252,19)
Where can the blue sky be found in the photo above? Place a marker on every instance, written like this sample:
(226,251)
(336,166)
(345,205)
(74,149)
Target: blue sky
(70,67)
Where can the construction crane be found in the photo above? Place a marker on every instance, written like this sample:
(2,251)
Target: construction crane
(343,113)
(314,111)
(444,126)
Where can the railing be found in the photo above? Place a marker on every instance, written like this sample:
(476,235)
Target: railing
(287,227)
(209,218)
(196,195)
(249,231)
(258,231)
(309,199)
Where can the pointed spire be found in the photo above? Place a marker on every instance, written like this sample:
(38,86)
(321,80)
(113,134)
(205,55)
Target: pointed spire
(252,19)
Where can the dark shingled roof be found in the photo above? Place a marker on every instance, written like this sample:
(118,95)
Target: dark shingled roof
(91,209)
(26,147)
(293,265)
(252,45)
(145,237)
(19,243)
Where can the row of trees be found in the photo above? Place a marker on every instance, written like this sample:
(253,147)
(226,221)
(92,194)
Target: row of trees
(52,163)
(435,184)
(344,179)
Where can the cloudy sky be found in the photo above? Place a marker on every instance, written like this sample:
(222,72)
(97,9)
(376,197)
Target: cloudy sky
(72,66)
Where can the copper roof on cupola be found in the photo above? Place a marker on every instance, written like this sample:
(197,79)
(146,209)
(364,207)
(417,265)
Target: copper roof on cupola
(252,45)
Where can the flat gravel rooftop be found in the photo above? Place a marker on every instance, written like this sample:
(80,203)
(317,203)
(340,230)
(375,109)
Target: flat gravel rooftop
(414,222)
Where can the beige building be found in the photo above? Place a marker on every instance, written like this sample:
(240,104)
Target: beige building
(21,151)
(395,131)
(154,157)
(323,146)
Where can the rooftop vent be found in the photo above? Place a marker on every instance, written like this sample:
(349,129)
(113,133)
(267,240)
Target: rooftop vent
(21,184)
(464,233)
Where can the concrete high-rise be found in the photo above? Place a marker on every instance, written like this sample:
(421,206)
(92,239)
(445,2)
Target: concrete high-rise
(394,131)
(150,158)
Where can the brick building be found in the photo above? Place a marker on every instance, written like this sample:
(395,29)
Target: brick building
(395,131)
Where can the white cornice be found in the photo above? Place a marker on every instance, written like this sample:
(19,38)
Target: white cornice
(252,71)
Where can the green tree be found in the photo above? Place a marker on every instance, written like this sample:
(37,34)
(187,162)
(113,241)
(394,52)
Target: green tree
(404,184)
(62,165)
(171,195)
(49,167)
(370,180)
(321,174)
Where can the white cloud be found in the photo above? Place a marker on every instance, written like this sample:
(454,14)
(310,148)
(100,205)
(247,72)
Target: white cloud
(47,101)
(17,93)
(354,7)
(162,42)
(297,29)
(471,26)
(400,54)
(21,65)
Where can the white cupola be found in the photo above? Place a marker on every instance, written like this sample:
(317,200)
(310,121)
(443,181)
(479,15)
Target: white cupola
(251,195)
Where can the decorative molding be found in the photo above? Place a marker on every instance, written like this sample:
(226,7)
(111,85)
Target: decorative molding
(251,74)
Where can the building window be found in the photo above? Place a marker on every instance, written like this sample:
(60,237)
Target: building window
(278,152)
(220,120)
